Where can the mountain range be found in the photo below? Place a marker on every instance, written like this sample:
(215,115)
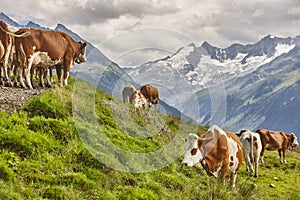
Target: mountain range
(238,87)
(241,86)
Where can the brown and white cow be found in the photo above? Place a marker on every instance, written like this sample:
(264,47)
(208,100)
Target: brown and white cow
(7,48)
(126,93)
(251,148)
(138,99)
(219,152)
(151,94)
(275,140)
(47,48)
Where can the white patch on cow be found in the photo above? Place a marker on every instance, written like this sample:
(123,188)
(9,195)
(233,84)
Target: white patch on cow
(295,143)
(190,144)
(215,127)
(66,79)
(81,57)
(42,58)
(232,152)
(216,173)
(138,99)
(34,47)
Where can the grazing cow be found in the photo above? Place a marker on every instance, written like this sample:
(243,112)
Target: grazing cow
(219,152)
(151,94)
(126,93)
(280,141)
(138,99)
(251,148)
(46,48)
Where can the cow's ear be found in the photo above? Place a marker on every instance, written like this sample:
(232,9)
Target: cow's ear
(84,44)
(293,136)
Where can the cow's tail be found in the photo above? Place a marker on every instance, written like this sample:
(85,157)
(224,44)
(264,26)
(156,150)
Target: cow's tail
(25,34)
(251,148)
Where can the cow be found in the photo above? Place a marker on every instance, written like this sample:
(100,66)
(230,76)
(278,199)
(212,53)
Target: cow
(126,93)
(47,48)
(219,152)
(6,46)
(276,140)
(138,100)
(251,147)
(151,94)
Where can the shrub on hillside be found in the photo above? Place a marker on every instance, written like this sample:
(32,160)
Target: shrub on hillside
(49,105)
(6,173)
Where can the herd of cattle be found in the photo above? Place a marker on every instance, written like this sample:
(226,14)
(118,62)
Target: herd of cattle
(221,152)
(30,50)
(140,97)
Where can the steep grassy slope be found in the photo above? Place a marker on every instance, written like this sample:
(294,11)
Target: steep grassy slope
(57,147)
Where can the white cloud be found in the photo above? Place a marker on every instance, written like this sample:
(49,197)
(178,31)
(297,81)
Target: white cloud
(220,22)
(294,11)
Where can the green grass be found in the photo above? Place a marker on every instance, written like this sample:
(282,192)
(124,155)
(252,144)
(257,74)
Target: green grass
(60,146)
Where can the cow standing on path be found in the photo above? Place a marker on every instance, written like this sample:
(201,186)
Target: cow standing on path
(219,152)
(280,141)
(6,47)
(252,148)
(151,94)
(47,49)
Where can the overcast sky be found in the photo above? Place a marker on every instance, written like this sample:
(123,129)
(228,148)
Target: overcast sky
(134,31)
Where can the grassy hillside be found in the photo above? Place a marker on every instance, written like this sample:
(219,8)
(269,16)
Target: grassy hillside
(60,146)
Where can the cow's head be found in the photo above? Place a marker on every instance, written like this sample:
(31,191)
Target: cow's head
(192,147)
(82,53)
(294,140)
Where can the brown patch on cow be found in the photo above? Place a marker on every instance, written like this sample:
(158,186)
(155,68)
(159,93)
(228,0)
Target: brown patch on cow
(248,139)
(151,93)
(231,164)
(241,132)
(194,151)
(255,145)
(231,158)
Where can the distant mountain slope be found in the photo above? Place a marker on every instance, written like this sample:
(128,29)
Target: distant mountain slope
(225,79)
(267,97)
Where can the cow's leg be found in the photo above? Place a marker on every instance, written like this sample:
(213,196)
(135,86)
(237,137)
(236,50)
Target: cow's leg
(59,74)
(66,76)
(279,153)
(46,78)
(50,74)
(20,72)
(249,165)
(27,76)
(283,153)
(256,166)
(233,180)
(33,71)
(41,76)
(262,154)
(6,64)
(15,72)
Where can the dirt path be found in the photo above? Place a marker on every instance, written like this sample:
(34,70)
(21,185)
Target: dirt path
(12,99)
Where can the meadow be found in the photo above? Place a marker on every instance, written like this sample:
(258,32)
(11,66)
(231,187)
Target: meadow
(54,148)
